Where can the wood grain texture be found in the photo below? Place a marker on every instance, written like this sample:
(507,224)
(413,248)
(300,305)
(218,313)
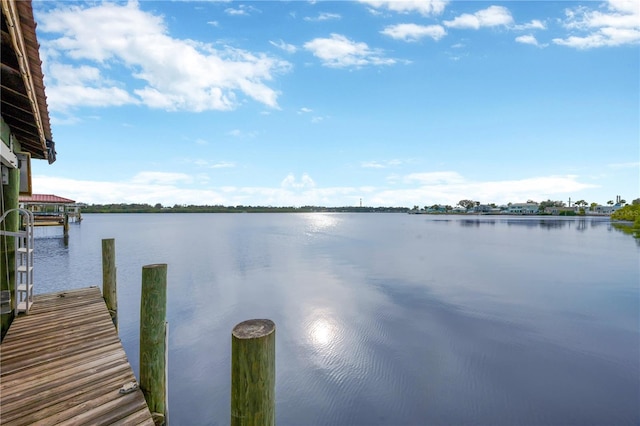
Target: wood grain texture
(109,284)
(253,373)
(153,313)
(64,364)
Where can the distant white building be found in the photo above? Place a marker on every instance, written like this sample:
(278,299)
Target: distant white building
(607,209)
(523,208)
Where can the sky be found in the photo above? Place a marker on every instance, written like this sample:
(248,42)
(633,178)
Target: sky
(337,103)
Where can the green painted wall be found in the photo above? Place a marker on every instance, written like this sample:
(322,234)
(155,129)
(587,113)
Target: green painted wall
(10,195)
(4,131)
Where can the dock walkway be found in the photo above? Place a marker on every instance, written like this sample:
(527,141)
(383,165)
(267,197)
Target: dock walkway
(64,364)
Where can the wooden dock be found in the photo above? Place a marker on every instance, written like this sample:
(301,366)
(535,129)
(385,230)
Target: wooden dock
(64,364)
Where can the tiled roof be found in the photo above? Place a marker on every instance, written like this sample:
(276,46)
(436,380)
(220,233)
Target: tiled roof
(45,198)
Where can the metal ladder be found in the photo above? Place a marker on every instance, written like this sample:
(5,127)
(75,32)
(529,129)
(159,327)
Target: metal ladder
(24,244)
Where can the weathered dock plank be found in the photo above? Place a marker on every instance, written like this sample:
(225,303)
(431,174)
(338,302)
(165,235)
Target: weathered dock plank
(64,364)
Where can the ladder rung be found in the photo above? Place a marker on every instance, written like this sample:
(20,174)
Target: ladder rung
(23,265)
(22,306)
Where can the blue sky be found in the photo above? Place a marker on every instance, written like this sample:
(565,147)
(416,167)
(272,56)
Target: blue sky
(397,103)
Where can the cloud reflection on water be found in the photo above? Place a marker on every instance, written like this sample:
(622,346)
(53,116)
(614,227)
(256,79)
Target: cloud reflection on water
(391,319)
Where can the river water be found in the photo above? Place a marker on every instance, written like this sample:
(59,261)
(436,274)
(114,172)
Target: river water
(383,319)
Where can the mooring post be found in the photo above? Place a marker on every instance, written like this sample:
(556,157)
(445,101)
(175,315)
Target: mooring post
(253,373)
(109,287)
(65,224)
(153,309)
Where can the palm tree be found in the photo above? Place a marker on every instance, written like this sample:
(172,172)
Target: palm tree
(581,206)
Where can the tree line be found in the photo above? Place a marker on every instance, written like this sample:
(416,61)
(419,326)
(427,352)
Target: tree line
(159,208)
(467,204)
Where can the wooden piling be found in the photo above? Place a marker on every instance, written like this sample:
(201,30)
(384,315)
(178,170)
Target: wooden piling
(153,309)
(65,224)
(253,373)
(109,287)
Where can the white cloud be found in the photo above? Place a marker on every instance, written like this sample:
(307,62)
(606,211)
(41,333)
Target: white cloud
(305,182)
(490,17)
(603,38)
(116,37)
(629,165)
(304,110)
(380,164)
(427,188)
(68,86)
(61,98)
(223,165)
(280,44)
(423,7)
(237,133)
(100,192)
(241,10)
(625,6)
(340,52)
(527,39)
(219,165)
(535,24)
(618,25)
(372,165)
(323,17)
(414,32)
(451,187)
(66,121)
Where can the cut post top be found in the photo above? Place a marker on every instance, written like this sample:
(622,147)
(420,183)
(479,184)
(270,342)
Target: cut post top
(253,329)
(155,265)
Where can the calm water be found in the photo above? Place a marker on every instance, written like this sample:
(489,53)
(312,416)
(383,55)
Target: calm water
(384,319)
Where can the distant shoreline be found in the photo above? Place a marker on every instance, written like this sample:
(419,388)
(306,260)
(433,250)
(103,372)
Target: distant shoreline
(119,208)
(329,210)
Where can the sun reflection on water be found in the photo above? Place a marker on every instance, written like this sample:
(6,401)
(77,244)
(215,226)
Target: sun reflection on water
(323,331)
(319,222)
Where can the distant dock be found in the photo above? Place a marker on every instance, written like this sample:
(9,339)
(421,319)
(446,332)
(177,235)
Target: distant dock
(64,364)
(52,210)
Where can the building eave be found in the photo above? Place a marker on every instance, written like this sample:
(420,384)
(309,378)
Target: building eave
(23,100)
